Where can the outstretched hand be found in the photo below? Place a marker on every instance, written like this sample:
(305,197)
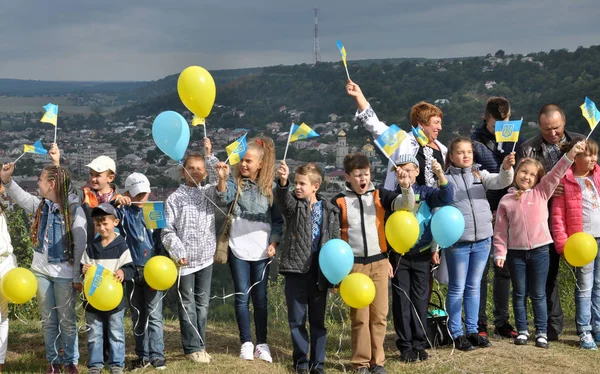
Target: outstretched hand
(7,172)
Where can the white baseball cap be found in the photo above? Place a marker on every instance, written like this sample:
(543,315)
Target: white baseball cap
(102,163)
(137,183)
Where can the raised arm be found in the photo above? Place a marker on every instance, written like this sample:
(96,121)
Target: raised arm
(24,199)
(283,196)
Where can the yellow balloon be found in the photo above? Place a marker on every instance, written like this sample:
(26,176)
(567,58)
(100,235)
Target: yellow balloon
(102,290)
(19,285)
(402,231)
(580,249)
(357,290)
(160,273)
(197,91)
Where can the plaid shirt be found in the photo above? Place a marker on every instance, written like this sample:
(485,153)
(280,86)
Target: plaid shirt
(190,231)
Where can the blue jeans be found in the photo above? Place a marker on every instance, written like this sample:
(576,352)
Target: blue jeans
(96,323)
(193,312)
(145,305)
(466,261)
(56,299)
(528,273)
(587,297)
(246,274)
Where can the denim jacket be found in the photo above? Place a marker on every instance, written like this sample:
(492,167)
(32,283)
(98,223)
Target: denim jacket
(254,206)
(140,239)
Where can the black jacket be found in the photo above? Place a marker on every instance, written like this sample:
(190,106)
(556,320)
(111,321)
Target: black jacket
(533,148)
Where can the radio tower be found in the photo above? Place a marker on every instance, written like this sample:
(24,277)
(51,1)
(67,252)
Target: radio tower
(316,49)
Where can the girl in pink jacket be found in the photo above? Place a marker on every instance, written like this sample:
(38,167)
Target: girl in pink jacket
(578,210)
(521,238)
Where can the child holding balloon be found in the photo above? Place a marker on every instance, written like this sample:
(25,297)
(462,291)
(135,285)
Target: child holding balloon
(521,238)
(311,222)
(467,258)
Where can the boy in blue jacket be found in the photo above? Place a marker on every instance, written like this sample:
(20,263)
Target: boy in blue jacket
(411,270)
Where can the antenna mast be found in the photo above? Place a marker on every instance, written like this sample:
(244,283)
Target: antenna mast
(316,49)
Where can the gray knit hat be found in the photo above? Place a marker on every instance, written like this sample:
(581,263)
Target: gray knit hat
(405,158)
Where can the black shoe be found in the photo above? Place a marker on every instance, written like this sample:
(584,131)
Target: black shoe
(378,370)
(139,363)
(552,335)
(541,342)
(505,331)
(422,354)
(463,344)
(479,340)
(159,364)
(482,328)
(408,355)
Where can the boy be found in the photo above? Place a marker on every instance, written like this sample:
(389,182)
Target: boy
(411,279)
(363,208)
(190,239)
(108,249)
(311,222)
(145,302)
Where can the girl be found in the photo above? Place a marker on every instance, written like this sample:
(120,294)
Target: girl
(467,258)
(8,261)
(578,210)
(521,238)
(254,236)
(59,239)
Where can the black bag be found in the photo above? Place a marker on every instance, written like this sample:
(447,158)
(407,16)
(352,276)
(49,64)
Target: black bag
(437,324)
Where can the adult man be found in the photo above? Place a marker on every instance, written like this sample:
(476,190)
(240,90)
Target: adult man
(545,148)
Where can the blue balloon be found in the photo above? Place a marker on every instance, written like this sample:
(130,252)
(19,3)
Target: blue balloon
(336,260)
(447,226)
(171,134)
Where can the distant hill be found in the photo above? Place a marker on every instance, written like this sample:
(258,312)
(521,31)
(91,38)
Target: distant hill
(21,87)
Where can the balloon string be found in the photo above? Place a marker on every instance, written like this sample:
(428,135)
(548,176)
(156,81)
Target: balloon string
(342,319)
(139,313)
(207,198)
(185,310)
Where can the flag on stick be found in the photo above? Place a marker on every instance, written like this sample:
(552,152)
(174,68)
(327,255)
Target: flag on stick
(420,136)
(591,114)
(154,215)
(343,53)
(236,150)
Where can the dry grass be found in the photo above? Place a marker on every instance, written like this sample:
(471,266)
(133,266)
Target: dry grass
(26,354)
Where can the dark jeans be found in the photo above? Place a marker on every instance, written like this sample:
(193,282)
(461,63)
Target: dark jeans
(146,315)
(302,292)
(500,294)
(555,312)
(410,283)
(529,271)
(193,312)
(245,274)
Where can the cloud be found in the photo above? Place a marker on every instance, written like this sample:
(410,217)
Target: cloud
(145,40)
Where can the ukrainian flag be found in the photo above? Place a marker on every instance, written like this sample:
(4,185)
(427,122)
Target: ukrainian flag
(508,131)
(301,132)
(390,140)
(236,150)
(590,112)
(420,136)
(51,115)
(154,215)
(36,148)
(198,121)
(342,51)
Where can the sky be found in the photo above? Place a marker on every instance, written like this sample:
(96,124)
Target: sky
(132,40)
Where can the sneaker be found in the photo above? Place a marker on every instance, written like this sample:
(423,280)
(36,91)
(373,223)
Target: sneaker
(482,329)
(95,370)
(53,369)
(478,340)
(246,351)
(422,354)
(505,331)
(203,357)
(522,338)
(408,355)
(463,344)
(139,363)
(71,369)
(263,352)
(378,370)
(159,364)
(116,370)
(586,341)
(541,341)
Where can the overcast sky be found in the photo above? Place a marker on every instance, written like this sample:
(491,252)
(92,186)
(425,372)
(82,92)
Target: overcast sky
(149,39)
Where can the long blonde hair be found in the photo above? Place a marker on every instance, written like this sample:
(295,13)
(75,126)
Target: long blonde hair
(265,148)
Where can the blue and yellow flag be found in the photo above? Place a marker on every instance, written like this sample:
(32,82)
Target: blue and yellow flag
(99,272)
(154,215)
(36,148)
(301,132)
(420,136)
(590,112)
(342,51)
(237,150)
(390,140)
(198,121)
(51,115)
(508,131)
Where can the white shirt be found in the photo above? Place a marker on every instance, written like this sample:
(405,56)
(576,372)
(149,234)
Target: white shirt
(249,240)
(591,206)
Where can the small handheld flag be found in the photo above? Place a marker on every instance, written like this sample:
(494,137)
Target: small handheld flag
(51,116)
(199,121)
(154,215)
(343,53)
(508,131)
(302,132)
(591,114)
(236,150)
(36,148)
(390,140)
(420,136)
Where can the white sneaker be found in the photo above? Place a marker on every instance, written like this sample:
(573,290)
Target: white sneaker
(263,352)
(246,351)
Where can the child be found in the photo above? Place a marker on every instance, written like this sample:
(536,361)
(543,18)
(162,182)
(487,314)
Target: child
(145,302)
(578,210)
(108,249)
(467,258)
(254,236)
(311,222)
(190,238)
(521,238)
(362,211)
(411,270)
(59,240)
(8,261)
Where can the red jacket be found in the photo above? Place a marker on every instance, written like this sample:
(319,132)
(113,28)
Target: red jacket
(567,210)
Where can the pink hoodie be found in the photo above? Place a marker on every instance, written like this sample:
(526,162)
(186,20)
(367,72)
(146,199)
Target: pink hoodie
(523,224)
